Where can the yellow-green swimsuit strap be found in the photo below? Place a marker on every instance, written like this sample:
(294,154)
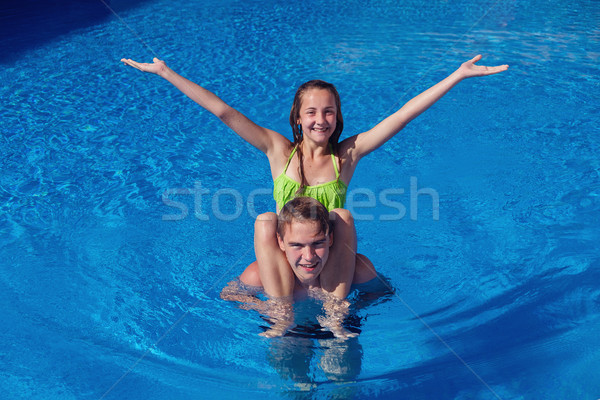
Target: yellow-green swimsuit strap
(290,159)
(337,173)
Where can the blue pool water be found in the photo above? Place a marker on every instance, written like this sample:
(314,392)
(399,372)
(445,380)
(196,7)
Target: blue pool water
(109,291)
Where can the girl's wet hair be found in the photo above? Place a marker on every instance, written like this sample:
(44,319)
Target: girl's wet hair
(304,209)
(296,129)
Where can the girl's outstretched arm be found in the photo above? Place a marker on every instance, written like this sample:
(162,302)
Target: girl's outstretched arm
(366,142)
(261,138)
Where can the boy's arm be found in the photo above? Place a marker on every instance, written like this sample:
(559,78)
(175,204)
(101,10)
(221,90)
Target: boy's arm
(234,292)
(280,311)
(336,311)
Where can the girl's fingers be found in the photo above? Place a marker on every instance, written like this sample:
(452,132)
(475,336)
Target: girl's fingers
(133,64)
(497,69)
(476,58)
(144,67)
(127,61)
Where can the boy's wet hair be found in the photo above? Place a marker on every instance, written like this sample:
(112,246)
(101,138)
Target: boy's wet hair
(304,209)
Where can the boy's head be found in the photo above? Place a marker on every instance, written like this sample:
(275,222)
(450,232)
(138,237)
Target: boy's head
(305,233)
(304,209)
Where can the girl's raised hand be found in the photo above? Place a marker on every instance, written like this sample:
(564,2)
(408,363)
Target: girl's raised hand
(469,69)
(156,67)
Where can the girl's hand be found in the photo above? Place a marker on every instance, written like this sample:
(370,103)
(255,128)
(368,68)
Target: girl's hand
(157,67)
(469,69)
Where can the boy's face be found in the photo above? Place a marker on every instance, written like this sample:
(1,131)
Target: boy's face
(306,248)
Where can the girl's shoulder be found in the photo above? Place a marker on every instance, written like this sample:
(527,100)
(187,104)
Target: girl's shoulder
(345,149)
(279,155)
(347,158)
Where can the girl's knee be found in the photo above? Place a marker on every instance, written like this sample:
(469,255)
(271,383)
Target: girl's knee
(342,214)
(342,220)
(266,221)
(265,227)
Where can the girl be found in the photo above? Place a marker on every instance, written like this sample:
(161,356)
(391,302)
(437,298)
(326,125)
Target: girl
(314,164)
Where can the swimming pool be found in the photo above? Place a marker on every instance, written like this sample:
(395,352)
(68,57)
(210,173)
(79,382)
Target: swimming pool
(110,292)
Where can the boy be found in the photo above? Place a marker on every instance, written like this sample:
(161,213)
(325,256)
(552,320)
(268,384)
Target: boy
(305,234)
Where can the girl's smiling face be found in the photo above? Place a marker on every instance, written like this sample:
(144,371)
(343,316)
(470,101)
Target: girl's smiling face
(318,112)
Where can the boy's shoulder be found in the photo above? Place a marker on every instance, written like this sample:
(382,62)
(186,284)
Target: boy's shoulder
(364,271)
(250,275)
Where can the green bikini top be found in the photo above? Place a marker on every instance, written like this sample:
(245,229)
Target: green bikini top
(330,194)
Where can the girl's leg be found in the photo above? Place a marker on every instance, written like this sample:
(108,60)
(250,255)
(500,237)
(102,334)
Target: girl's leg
(338,274)
(275,273)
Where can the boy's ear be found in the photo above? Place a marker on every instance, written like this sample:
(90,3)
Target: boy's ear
(281,244)
(331,239)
